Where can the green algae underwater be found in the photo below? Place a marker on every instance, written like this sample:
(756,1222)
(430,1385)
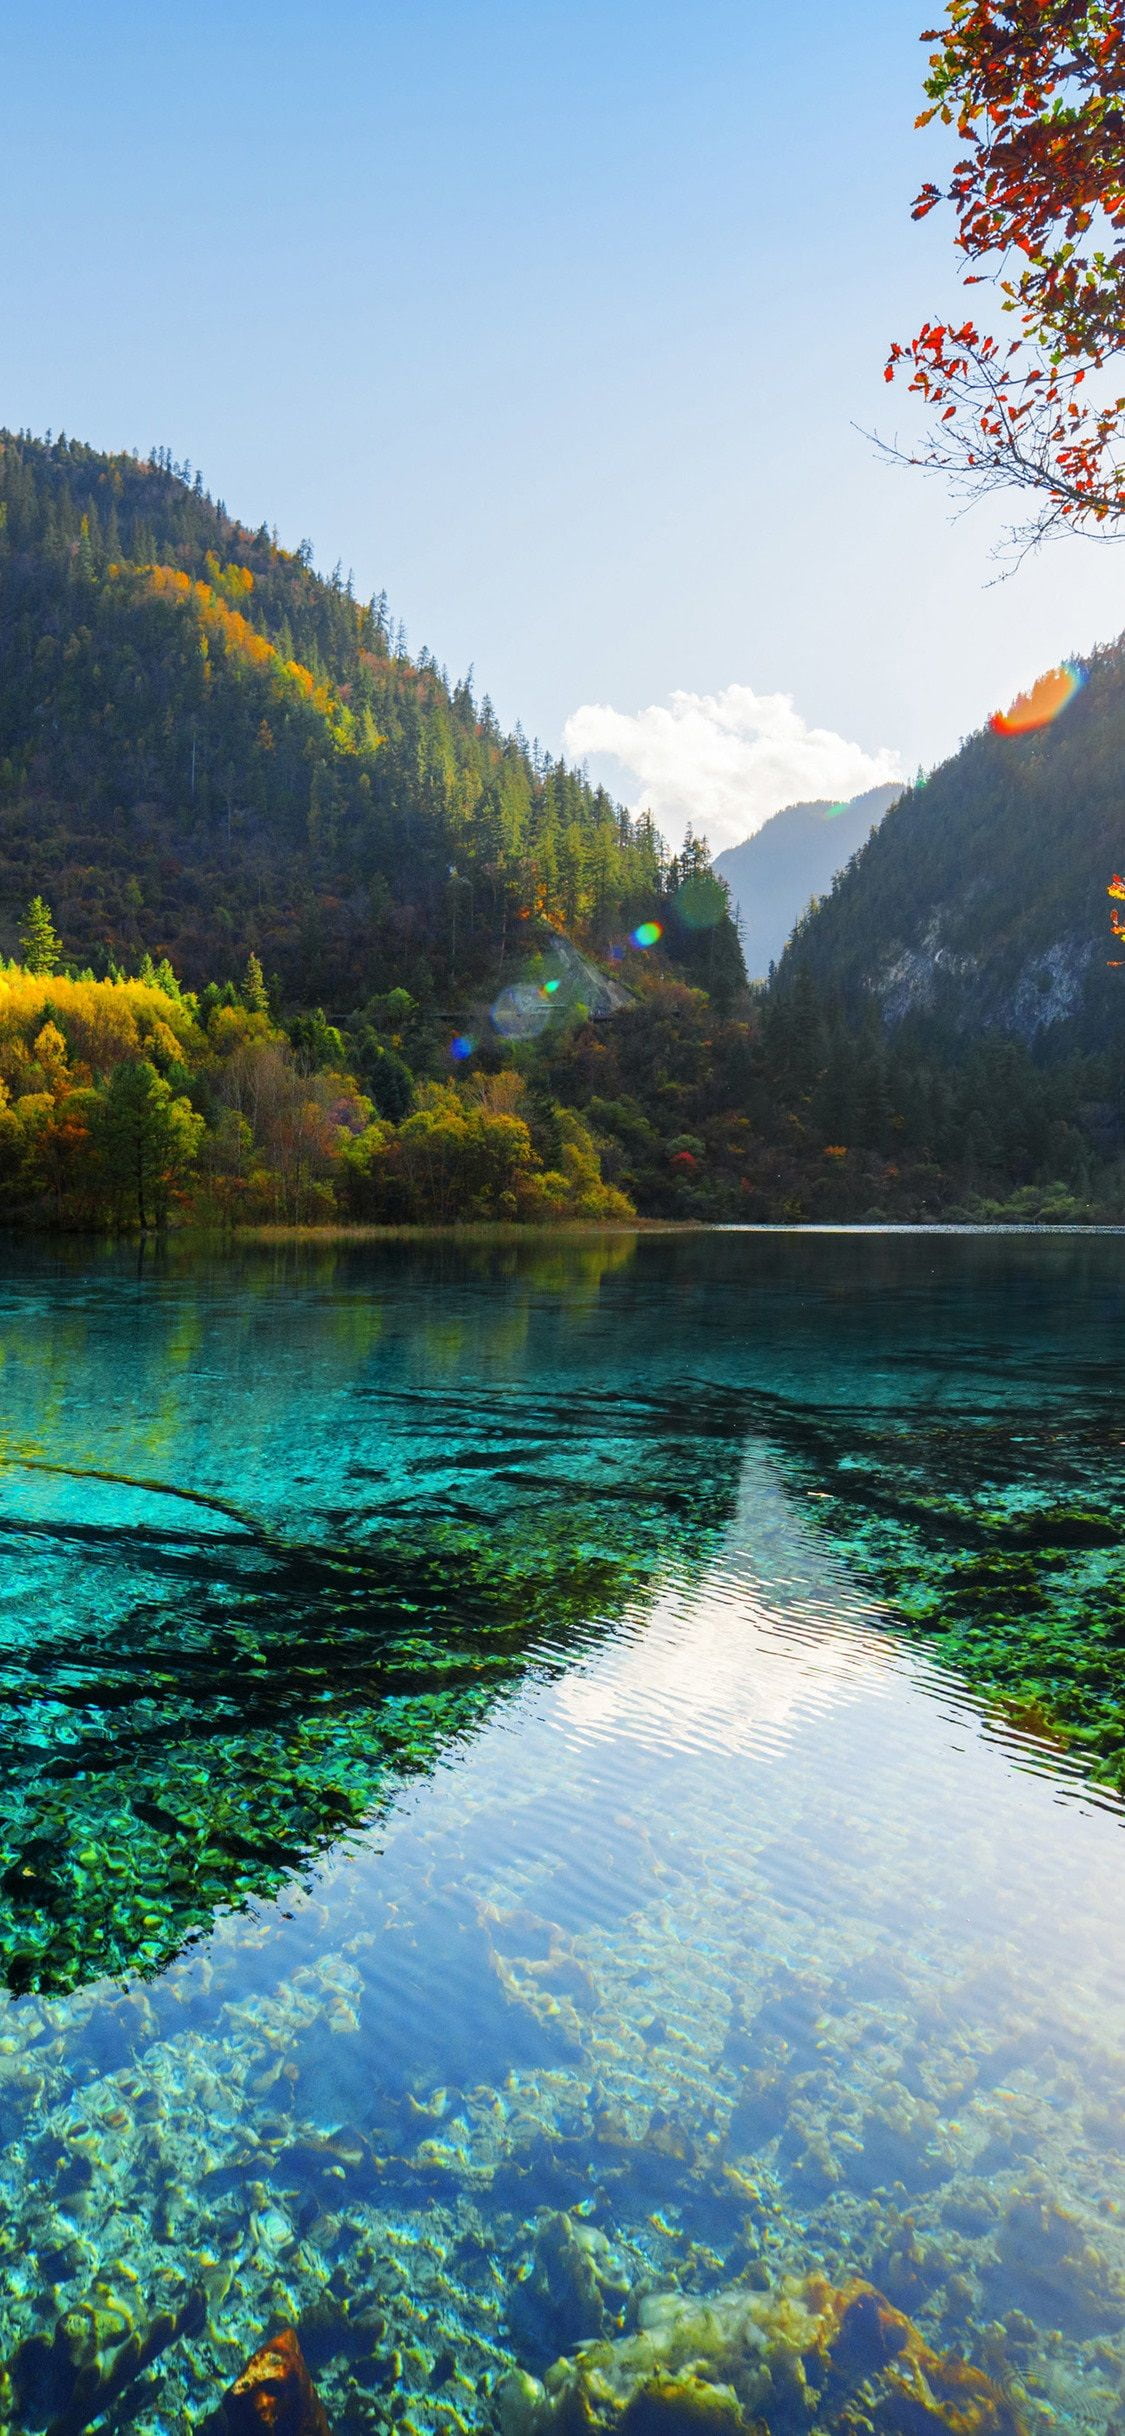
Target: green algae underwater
(559,1832)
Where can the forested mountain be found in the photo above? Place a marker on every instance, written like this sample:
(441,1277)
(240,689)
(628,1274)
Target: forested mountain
(291,931)
(792,857)
(206,748)
(980,903)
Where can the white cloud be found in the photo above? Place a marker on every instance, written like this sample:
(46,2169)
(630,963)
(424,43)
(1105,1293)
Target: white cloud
(721,762)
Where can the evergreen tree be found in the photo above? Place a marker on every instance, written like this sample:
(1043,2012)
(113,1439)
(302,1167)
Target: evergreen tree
(42,947)
(255,995)
(158,653)
(147,1138)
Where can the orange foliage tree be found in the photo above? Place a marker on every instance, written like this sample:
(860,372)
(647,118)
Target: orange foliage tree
(1116,888)
(1036,92)
(242,642)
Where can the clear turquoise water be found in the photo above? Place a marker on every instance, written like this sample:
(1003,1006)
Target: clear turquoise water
(468,1752)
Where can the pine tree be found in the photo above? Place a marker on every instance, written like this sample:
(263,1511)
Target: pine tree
(255,995)
(42,947)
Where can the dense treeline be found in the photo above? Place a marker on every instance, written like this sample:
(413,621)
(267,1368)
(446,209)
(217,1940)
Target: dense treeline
(206,748)
(126,1103)
(130,1103)
(785,1107)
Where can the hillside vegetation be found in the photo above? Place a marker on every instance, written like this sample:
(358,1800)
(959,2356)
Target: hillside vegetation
(206,748)
(980,902)
(294,933)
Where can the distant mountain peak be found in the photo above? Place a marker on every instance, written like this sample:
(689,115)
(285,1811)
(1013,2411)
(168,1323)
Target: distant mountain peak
(792,858)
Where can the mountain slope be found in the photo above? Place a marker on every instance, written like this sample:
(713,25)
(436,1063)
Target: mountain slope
(980,902)
(791,858)
(205,748)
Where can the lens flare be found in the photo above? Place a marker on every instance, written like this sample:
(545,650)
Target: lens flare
(461,1047)
(1047,697)
(521,1011)
(646,934)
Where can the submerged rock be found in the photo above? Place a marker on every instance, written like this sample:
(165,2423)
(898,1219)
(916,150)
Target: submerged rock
(274,2394)
(1047,2264)
(573,2290)
(791,2358)
(62,2380)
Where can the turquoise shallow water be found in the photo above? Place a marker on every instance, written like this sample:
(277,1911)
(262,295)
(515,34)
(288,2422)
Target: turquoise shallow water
(475,1753)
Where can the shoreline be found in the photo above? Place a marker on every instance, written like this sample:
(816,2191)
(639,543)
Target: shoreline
(577,1230)
(583,1229)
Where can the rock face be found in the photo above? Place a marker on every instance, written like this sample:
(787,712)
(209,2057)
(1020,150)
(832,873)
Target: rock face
(583,984)
(274,2394)
(980,900)
(806,2354)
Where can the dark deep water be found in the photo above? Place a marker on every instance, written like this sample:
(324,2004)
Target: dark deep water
(623,1728)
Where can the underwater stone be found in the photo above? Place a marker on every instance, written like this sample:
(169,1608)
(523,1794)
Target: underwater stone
(63,2380)
(791,2357)
(899,2144)
(519,1932)
(808,2155)
(575,2288)
(1047,2263)
(274,2393)
(522,2408)
(908,2270)
(760,2111)
(972,2208)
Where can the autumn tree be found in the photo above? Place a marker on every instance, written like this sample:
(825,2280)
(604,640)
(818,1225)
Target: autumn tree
(39,940)
(1036,92)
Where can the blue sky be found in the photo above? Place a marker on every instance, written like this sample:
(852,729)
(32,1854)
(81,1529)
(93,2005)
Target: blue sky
(557,322)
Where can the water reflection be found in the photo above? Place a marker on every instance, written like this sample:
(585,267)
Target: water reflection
(735,1941)
(360,1538)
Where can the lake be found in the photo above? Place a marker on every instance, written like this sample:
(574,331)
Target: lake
(560,1788)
